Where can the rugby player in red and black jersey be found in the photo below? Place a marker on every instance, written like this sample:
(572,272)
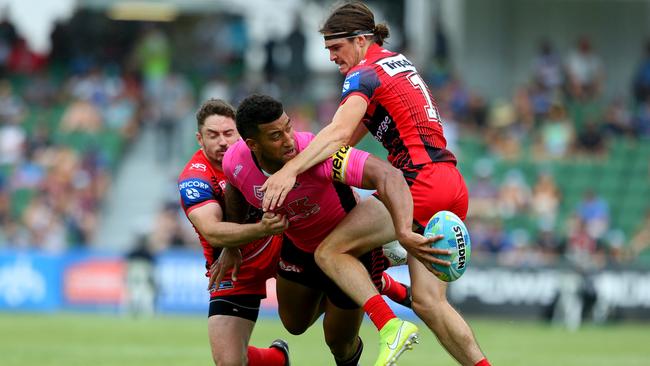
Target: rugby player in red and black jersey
(383,90)
(234,301)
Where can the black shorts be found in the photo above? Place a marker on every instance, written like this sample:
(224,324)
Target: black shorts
(299,266)
(242,306)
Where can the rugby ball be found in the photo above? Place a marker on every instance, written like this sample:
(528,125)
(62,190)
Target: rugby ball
(456,238)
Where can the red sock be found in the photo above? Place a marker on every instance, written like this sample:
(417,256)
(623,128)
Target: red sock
(483,362)
(265,356)
(393,289)
(378,311)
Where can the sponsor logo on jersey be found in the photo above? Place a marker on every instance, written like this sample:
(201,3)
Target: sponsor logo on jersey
(395,65)
(198,166)
(192,193)
(340,163)
(222,184)
(351,82)
(257,191)
(193,184)
(288,267)
(238,169)
(298,209)
(383,127)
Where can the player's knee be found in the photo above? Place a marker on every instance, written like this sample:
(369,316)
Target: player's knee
(321,255)
(294,327)
(428,303)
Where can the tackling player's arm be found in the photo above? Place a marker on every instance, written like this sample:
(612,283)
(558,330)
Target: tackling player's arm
(209,222)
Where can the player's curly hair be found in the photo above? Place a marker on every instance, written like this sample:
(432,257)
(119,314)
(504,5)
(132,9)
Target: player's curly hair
(255,110)
(355,16)
(213,107)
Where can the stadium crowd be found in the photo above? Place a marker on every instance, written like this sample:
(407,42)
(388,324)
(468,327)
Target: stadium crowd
(67,119)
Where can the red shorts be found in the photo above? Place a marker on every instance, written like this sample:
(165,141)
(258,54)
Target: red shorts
(437,187)
(254,271)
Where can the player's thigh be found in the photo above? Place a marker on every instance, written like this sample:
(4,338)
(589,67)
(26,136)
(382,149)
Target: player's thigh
(341,326)
(229,337)
(427,289)
(367,226)
(298,305)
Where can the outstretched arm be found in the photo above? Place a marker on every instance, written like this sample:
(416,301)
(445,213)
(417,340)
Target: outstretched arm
(338,133)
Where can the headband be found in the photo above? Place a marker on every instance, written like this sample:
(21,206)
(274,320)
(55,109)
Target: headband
(348,34)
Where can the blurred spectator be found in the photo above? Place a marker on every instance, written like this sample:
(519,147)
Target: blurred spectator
(593,212)
(549,244)
(591,141)
(547,68)
(44,224)
(640,242)
(41,90)
(171,103)
(642,119)
(270,63)
(504,134)
(96,86)
(7,39)
(483,192)
(152,56)
(617,120)
(641,82)
(140,283)
(297,67)
(12,143)
(216,87)
(496,241)
(584,72)
(545,201)
(81,116)
(12,107)
(168,230)
(514,195)
(532,104)
(23,61)
(556,134)
(30,174)
(582,246)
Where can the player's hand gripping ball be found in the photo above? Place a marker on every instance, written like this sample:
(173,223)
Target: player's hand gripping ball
(456,239)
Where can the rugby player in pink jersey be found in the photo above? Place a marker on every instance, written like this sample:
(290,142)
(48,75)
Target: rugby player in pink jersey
(320,201)
(234,305)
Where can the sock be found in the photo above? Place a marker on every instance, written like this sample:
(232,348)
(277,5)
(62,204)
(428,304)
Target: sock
(265,356)
(483,362)
(376,263)
(393,289)
(354,360)
(378,311)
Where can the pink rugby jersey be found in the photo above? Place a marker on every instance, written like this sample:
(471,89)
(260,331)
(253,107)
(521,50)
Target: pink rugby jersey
(320,198)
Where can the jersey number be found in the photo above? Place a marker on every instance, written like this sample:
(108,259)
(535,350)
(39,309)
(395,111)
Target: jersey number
(430,109)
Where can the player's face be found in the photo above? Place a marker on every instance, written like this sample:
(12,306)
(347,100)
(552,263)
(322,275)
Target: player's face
(216,135)
(274,143)
(345,52)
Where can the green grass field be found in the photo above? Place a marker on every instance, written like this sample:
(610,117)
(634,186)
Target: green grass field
(89,339)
